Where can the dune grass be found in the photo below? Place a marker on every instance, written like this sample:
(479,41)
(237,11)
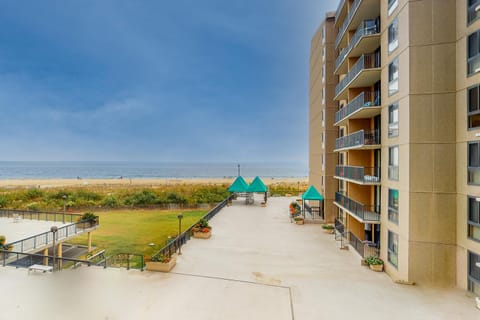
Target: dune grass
(130,231)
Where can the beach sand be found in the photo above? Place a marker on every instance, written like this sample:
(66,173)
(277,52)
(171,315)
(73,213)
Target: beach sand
(54,183)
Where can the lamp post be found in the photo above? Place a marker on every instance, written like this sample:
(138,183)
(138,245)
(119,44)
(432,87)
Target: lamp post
(54,230)
(238,171)
(180,217)
(64,197)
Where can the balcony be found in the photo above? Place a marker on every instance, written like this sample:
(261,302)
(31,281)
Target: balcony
(359,10)
(360,140)
(364,73)
(359,175)
(364,106)
(341,12)
(365,39)
(361,212)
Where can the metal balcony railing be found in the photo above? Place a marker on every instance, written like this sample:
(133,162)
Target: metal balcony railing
(360,174)
(339,226)
(363,30)
(359,138)
(366,61)
(364,99)
(341,3)
(365,213)
(341,31)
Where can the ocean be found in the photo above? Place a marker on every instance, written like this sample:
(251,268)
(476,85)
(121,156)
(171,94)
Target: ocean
(106,170)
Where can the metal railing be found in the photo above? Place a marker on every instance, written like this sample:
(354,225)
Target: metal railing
(363,100)
(343,28)
(40,215)
(366,61)
(341,3)
(358,138)
(365,213)
(126,260)
(363,30)
(357,244)
(360,174)
(25,260)
(339,226)
(315,212)
(46,238)
(175,244)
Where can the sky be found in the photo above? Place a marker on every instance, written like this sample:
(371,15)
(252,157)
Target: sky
(141,80)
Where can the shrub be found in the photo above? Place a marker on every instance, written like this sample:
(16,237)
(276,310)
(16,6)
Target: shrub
(142,198)
(3,201)
(161,258)
(373,260)
(31,194)
(111,201)
(88,217)
(2,240)
(33,206)
(328,227)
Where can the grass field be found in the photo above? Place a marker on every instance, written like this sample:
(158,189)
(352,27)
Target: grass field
(130,231)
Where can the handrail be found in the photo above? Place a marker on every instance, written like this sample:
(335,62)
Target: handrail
(126,260)
(362,31)
(341,31)
(360,174)
(364,212)
(358,138)
(363,100)
(341,3)
(173,245)
(45,238)
(366,61)
(39,215)
(15,258)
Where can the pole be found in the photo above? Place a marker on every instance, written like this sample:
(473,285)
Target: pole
(180,216)
(64,207)
(238,171)
(53,229)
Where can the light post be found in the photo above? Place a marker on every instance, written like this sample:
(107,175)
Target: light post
(238,173)
(180,217)
(64,197)
(54,230)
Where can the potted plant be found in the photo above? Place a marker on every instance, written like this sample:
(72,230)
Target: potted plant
(299,220)
(328,228)
(161,263)
(2,240)
(376,264)
(202,230)
(294,208)
(89,217)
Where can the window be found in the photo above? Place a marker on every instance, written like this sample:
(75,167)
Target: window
(393,120)
(393,163)
(473,51)
(473,10)
(473,273)
(323,53)
(393,77)
(473,218)
(323,118)
(393,205)
(474,163)
(473,112)
(393,248)
(323,35)
(392,5)
(323,73)
(393,36)
(323,162)
(323,140)
(323,95)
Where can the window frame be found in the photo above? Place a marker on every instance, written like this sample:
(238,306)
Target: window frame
(397,80)
(394,21)
(469,166)
(392,208)
(391,164)
(476,4)
(474,57)
(473,113)
(392,250)
(390,107)
(391,6)
(471,222)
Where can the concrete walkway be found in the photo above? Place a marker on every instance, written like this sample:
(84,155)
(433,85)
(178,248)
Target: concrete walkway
(257,265)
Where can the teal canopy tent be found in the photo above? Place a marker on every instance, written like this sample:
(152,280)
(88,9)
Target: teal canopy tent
(257,185)
(239,185)
(313,194)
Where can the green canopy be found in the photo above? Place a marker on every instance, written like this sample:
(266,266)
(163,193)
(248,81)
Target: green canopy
(312,194)
(257,185)
(239,185)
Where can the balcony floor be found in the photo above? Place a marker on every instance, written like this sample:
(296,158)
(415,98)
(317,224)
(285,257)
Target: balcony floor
(358,182)
(361,147)
(257,265)
(362,113)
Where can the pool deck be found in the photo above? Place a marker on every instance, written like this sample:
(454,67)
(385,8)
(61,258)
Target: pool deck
(25,228)
(256,265)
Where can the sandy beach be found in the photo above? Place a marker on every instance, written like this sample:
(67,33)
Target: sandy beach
(54,183)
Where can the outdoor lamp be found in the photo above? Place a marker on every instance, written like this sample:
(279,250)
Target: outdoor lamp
(180,217)
(54,230)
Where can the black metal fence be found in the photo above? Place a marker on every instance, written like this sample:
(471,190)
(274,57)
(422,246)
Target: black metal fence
(25,260)
(314,213)
(126,260)
(175,244)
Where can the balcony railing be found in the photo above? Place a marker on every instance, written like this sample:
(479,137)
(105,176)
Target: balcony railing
(341,31)
(365,213)
(363,100)
(473,11)
(366,61)
(363,175)
(357,139)
(364,248)
(341,3)
(363,30)
(339,226)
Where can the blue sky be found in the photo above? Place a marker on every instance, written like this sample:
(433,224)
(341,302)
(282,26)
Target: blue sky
(183,80)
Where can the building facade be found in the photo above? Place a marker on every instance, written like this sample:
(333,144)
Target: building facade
(407,156)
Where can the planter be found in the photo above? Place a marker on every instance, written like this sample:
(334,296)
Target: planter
(300,222)
(202,235)
(329,231)
(162,266)
(263,204)
(376,267)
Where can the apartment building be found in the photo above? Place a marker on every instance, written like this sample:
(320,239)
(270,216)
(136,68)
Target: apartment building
(407,164)
(323,134)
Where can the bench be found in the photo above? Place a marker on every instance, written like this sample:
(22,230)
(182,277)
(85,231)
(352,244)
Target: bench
(40,267)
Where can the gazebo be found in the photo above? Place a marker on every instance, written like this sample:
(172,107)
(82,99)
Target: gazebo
(313,194)
(238,186)
(257,186)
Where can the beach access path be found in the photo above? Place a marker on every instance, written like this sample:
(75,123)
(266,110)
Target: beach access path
(256,265)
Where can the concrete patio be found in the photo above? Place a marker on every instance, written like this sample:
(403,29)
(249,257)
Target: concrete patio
(257,265)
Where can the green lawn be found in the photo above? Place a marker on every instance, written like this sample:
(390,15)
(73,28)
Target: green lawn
(130,231)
